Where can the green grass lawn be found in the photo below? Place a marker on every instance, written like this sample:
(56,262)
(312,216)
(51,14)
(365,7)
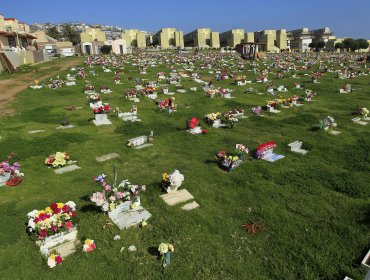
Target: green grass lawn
(314,208)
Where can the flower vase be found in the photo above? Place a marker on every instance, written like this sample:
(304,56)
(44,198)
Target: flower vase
(166,259)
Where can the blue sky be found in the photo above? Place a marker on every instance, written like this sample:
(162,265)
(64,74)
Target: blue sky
(346,18)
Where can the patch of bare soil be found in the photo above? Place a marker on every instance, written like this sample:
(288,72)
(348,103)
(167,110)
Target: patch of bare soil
(11,87)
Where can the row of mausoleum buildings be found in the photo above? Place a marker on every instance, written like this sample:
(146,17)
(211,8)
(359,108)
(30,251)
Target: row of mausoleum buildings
(18,46)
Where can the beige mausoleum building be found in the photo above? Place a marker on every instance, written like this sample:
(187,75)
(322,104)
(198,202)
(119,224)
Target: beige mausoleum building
(232,38)
(134,38)
(168,38)
(202,38)
(16,45)
(275,40)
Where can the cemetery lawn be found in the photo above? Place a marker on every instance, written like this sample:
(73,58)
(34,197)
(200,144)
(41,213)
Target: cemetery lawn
(314,208)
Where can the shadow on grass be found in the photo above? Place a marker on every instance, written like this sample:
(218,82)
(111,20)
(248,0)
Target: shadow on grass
(90,208)
(153,251)
(211,161)
(85,198)
(314,128)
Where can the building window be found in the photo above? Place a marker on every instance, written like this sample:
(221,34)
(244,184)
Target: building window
(11,42)
(24,43)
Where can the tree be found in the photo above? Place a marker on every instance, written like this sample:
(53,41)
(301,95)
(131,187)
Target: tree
(312,45)
(348,43)
(355,46)
(70,34)
(53,32)
(339,45)
(362,44)
(105,49)
(321,44)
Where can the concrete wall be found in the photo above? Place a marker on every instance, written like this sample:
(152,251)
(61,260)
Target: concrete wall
(13,57)
(26,57)
(249,37)
(215,39)
(40,56)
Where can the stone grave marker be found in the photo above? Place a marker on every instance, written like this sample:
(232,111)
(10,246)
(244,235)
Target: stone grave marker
(124,217)
(358,121)
(35,131)
(65,126)
(101,119)
(107,157)
(190,206)
(296,147)
(140,142)
(66,169)
(175,197)
(63,243)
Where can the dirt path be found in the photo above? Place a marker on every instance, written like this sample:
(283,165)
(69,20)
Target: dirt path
(11,87)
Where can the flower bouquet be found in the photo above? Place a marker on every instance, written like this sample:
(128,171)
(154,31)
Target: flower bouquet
(231,120)
(93,98)
(235,113)
(130,93)
(117,80)
(250,90)
(273,105)
(230,161)
(57,218)
(240,80)
(309,95)
(56,160)
(89,245)
(327,123)
(54,228)
(54,259)
(362,112)
(257,110)
(105,89)
(169,105)
(165,250)
(55,83)
(148,90)
(213,119)
(224,76)
(171,182)
(101,108)
(36,86)
(193,126)
(211,93)
(225,92)
(10,174)
(89,89)
(110,197)
(265,151)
